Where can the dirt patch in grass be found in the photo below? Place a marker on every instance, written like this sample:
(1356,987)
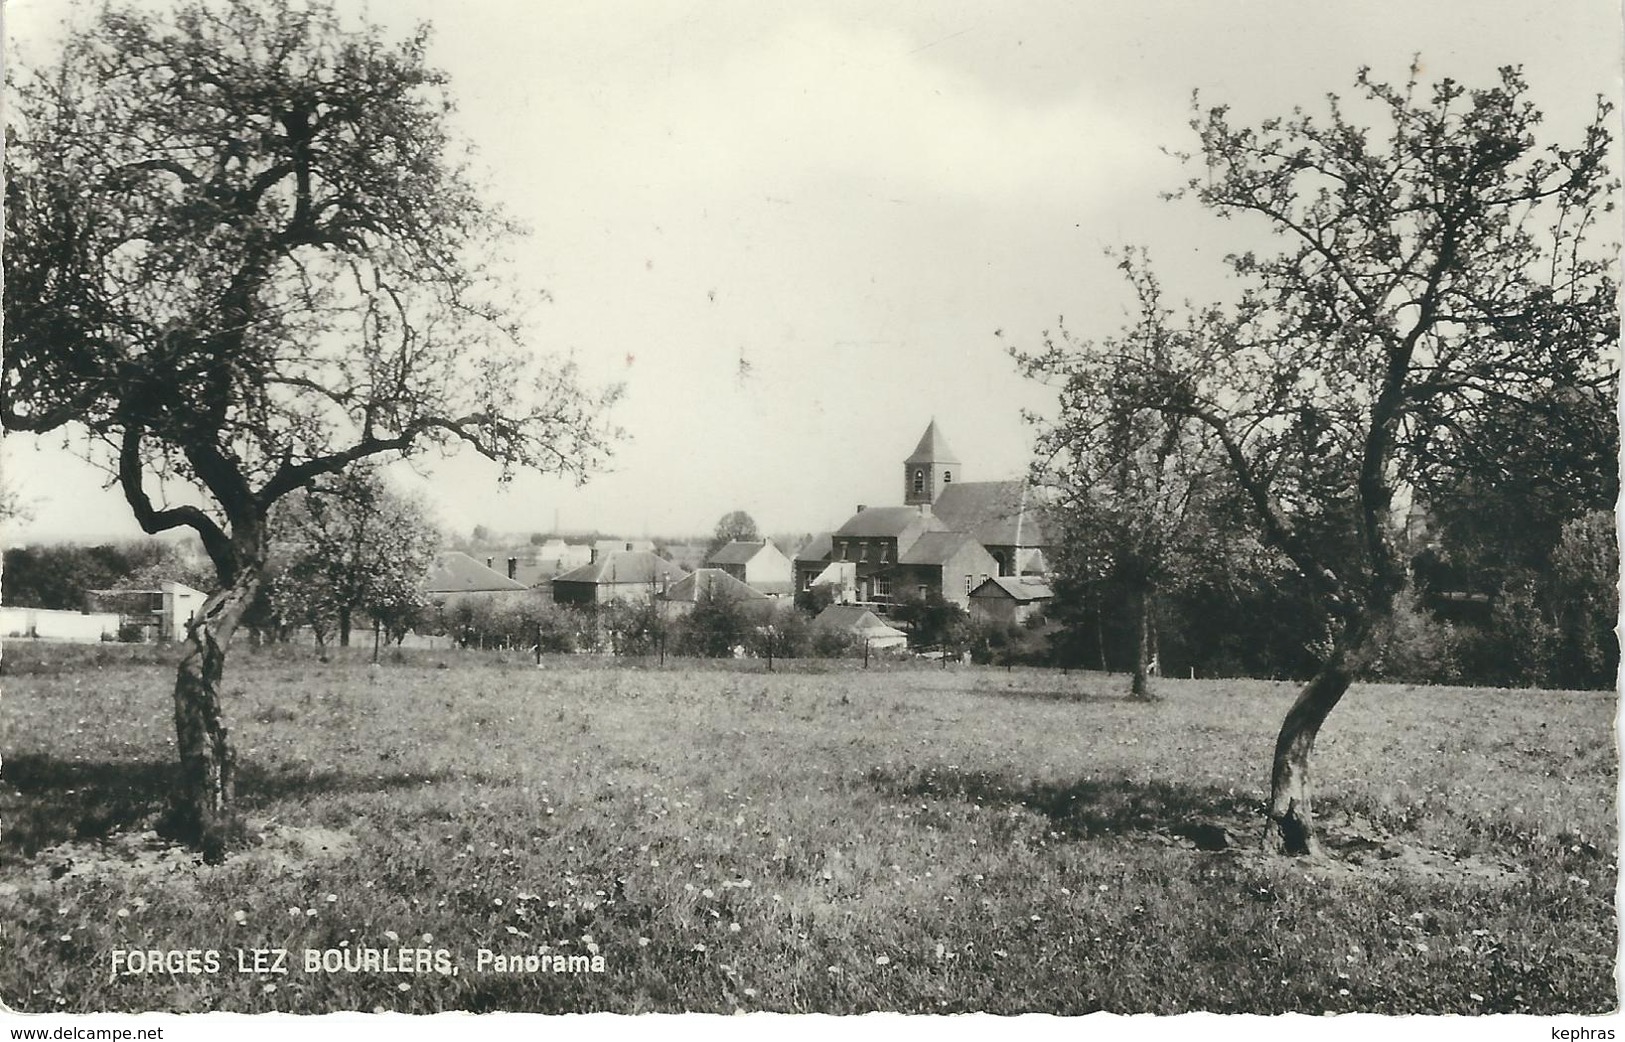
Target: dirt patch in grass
(1355,845)
(1201,819)
(1351,847)
(146,856)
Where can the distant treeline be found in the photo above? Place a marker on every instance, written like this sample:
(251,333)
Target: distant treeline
(57,576)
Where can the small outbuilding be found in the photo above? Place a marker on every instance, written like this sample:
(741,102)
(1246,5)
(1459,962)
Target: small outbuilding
(861,623)
(1006,598)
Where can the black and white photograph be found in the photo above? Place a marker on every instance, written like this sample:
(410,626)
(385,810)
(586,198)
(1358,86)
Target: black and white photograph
(752,508)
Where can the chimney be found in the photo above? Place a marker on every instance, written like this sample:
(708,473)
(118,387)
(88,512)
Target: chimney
(862,508)
(513,566)
(592,557)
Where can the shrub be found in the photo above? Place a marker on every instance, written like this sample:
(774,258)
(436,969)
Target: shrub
(833,643)
(714,628)
(1415,648)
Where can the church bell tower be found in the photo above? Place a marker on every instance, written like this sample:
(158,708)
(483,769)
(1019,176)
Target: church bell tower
(930,468)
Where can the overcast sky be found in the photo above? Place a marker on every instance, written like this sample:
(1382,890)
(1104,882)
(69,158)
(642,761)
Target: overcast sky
(792,229)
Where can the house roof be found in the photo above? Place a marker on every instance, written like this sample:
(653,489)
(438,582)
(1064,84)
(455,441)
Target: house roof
(625,566)
(995,513)
(714,581)
(885,522)
(1022,590)
(934,548)
(738,551)
(836,573)
(855,619)
(456,572)
(933,448)
(818,548)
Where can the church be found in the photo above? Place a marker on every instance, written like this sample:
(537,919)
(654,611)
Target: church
(949,536)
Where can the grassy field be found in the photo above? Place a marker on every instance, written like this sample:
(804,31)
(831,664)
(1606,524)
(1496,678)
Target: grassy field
(823,838)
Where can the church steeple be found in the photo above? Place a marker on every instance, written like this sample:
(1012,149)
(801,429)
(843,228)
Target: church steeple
(929,468)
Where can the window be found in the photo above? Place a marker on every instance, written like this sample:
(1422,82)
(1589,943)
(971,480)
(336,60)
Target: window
(919,481)
(885,551)
(999,559)
(843,550)
(923,590)
(882,587)
(863,551)
(967,585)
(947,477)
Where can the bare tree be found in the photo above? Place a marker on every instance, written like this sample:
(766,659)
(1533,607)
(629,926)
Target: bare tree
(1430,270)
(243,253)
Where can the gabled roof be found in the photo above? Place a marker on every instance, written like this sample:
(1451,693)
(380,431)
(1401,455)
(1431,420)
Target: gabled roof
(739,551)
(934,548)
(715,582)
(886,522)
(456,572)
(625,566)
(1022,590)
(1036,565)
(818,548)
(995,513)
(836,573)
(854,618)
(933,448)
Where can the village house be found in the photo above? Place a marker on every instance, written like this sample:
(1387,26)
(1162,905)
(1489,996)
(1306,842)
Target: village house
(758,563)
(632,576)
(160,613)
(949,563)
(533,564)
(455,576)
(681,596)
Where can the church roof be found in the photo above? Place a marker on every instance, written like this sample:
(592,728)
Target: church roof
(933,448)
(996,513)
(884,522)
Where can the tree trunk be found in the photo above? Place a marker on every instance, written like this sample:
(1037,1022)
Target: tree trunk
(1291,825)
(1140,605)
(344,627)
(202,814)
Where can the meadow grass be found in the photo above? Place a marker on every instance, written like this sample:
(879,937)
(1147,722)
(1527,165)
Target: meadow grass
(821,838)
